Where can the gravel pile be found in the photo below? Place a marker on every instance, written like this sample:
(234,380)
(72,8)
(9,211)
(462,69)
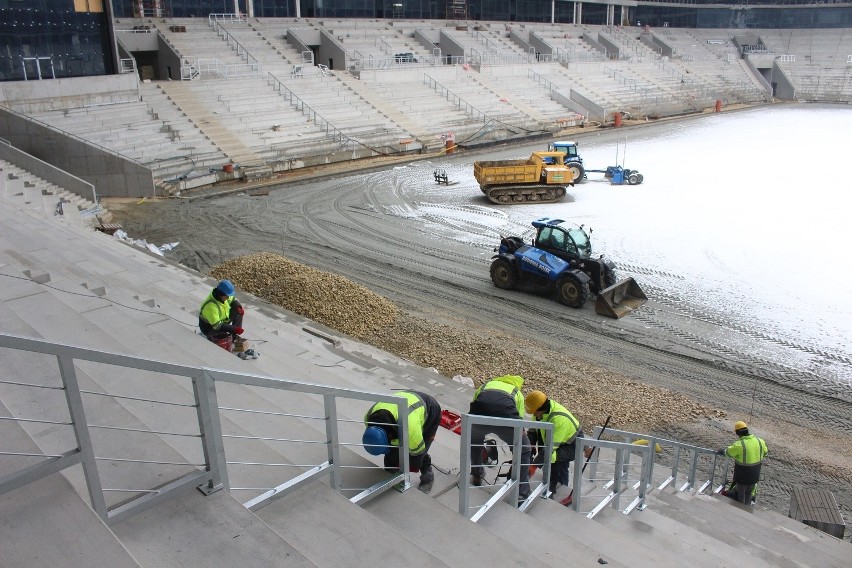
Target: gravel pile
(332,300)
(326,298)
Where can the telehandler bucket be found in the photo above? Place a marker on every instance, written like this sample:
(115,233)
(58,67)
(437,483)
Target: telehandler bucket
(620,299)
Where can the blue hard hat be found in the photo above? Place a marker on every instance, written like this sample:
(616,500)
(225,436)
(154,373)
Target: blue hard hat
(225,287)
(375,441)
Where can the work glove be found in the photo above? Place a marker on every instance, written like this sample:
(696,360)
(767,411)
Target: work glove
(238,330)
(721,451)
(240,310)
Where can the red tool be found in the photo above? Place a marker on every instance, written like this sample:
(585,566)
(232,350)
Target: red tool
(451,421)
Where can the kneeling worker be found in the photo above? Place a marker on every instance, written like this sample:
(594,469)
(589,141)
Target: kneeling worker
(222,313)
(381,437)
(566,430)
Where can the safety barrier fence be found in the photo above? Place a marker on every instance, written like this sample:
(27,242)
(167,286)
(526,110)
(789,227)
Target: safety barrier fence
(400,61)
(197,401)
(202,68)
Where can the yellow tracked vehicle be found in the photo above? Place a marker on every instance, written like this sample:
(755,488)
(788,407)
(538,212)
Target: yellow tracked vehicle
(542,178)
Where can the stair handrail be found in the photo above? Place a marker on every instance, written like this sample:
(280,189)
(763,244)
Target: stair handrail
(619,484)
(233,43)
(694,454)
(210,476)
(460,103)
(306,110)
(511,487)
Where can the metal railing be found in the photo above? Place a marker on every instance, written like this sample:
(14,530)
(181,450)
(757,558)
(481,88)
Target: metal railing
(211,473)
(215,67)
(459,102)
(215,18)
(234,44)
(306,110)
(619,478)
(511,487)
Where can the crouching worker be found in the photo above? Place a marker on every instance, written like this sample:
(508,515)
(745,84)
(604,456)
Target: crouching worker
(500,397)
(748,453)
(566,430)
(221,313)
(381,437)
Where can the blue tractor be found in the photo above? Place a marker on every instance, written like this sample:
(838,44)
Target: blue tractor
(560,261)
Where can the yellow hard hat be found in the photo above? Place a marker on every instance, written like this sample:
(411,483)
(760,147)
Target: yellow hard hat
(740,425)
(657,447)
(534,401)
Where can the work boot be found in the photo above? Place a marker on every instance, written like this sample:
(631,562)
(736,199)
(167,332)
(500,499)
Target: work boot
(476,480)
(567,501)
(426,481)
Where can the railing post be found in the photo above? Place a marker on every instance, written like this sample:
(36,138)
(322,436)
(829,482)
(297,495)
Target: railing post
(464,469)
(207,410)
(81,434)
(516,463)
(618,477)
(333,441)
(404,449)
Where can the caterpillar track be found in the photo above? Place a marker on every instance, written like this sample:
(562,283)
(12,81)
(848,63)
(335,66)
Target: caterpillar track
(526,193)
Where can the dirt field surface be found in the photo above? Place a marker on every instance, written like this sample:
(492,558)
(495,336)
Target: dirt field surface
(651,371)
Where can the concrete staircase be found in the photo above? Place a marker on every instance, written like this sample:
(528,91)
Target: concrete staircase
(108,296)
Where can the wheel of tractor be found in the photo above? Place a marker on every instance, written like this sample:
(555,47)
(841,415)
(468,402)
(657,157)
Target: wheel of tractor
(578,171)
(571,291)
(633,179)
(503,274)
(609,277)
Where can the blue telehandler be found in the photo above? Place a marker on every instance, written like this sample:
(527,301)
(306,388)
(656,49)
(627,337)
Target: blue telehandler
(560,261)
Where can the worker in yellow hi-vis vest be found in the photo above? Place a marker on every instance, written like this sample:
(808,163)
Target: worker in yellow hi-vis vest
(748,453)
(566,430)
(381,437)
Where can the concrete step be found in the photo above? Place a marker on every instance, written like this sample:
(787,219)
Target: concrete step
(451,538)
(47,523)
(196,530)
(701,550)
(763,534)
(333,532)
(611,544)
(548,542)
(690,536)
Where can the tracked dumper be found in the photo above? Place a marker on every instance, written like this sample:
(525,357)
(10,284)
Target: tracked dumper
(540,179)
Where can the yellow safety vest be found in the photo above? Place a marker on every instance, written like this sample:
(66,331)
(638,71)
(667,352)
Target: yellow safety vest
(511,385)
(748,450)
(416,420)
(565,427)
(215,312)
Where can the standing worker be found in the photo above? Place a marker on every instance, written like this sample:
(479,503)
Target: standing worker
(748,453)
(500,397)
(566,430)
(221,312)
(381,437)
